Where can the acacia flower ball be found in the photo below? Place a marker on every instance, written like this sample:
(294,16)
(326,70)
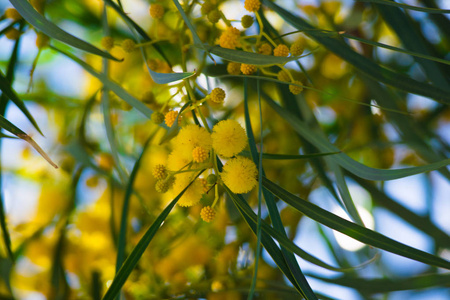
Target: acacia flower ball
(295,89)
(217,95)
(239,175)
(170,117)
(248,69)
(107,42)
(206,8)
(297,48)
(159,172)
(128,45)
(156,11)
(247,21)
(207,214)
(157,117)
(252,5)
(13,14)
(230,38)
(228,138)
(234,68)
(199,154)
(214,16)
(283,76)
(42,40)
(281,50)
(190,137)
(265,49)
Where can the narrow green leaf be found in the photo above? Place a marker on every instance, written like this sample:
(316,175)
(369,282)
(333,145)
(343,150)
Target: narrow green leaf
(363,64)
(385,285)
(163,78)
(293,266)
(353,230)
(282,239)
(6,88)
(135,255)
(28,12)
(5,124)
(343,159)
(248,57)
(406,6)
(272,156)
(117,89)
(412,53)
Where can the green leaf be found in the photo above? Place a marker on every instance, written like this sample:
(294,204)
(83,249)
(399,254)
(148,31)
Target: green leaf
(135,255)
(248,57)
(117,89)
(244,208)
(300,281)
(272,156)
(5,124)
(6,88)
(385,285)
(343,159)
(406,6)
(353,230)
(363,64)
(163,78)
(28,12)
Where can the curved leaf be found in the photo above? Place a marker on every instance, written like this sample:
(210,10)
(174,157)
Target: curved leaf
(406,6)
(117,89)
(363,64)
(6,88)
(272,156)
(28,12)
(353,230)
(163,78)
(343,159)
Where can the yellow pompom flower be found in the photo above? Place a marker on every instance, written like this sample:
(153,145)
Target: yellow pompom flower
(247,21)
(207,214)
(265,49)
(252,5)
(190,137)
(228,138)
(283,76)
(13,14)
(234,68)
(230,38)
(281,50)
(156,11)
(176,161)
(128,45)
(296,89)
(297,48)
(239,175)
(170,117)
(159,172)
(107,42)
(248,69)
(199,154)
(12,34)
(192,195)
(218,95)
(42,40)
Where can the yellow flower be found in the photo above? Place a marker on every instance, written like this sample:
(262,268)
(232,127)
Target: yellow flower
(265,49)
(283,76)
(190,137)
(248,69)
(295,89)
(218,95)
(170,117)
(128,45)
(192,195)
(199,154)
(281,50)
(42,40)
(297,48)
(228,138)
(252,5)
(230,38)
(239,175)
(234,68)
(246,21)
(207,214)
(13,14)
(156,11)
(159,171)
(107,42)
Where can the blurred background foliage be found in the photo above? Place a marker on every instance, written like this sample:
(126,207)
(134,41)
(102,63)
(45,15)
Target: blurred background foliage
(66,231)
